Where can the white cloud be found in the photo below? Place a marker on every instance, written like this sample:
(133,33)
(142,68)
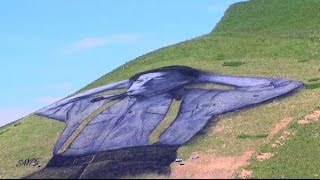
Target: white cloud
(92,42)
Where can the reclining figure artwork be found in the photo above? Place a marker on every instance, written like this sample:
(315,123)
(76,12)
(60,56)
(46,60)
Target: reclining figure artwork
(137,112)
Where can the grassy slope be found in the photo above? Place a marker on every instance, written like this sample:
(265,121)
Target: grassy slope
(273,38)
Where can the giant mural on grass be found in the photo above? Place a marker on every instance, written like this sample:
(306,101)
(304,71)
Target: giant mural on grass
(115,143)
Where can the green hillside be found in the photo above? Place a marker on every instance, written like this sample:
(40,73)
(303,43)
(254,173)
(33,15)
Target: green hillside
(288,18)
(267,38)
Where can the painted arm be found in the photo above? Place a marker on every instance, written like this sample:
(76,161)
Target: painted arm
(200,106)
(248,83)
(75,109)
(54,110)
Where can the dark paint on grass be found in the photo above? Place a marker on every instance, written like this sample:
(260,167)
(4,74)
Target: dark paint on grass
(233,63)
(249,136)
(303,60)
(313,79)
(312,85)
(17,124)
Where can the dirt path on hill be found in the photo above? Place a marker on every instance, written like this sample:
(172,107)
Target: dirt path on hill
(222,167)
(210,166)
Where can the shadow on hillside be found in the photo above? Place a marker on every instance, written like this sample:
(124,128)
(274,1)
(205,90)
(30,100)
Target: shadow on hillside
(110,164)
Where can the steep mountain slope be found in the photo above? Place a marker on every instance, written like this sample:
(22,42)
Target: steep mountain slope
(267,38)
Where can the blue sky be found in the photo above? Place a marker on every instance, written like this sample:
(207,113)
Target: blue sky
(49,49)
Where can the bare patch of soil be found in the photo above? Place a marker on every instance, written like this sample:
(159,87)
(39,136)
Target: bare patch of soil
(210,166)
(224,167)
(244,174)
(264,156)
(218,129)
(284,136)
(315,116)
(282,124)
(302,121)
(281,140)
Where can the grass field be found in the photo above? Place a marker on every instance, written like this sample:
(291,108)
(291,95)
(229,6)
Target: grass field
(267,38)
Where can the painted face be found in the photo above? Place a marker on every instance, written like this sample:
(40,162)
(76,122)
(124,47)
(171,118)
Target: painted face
(157,82)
